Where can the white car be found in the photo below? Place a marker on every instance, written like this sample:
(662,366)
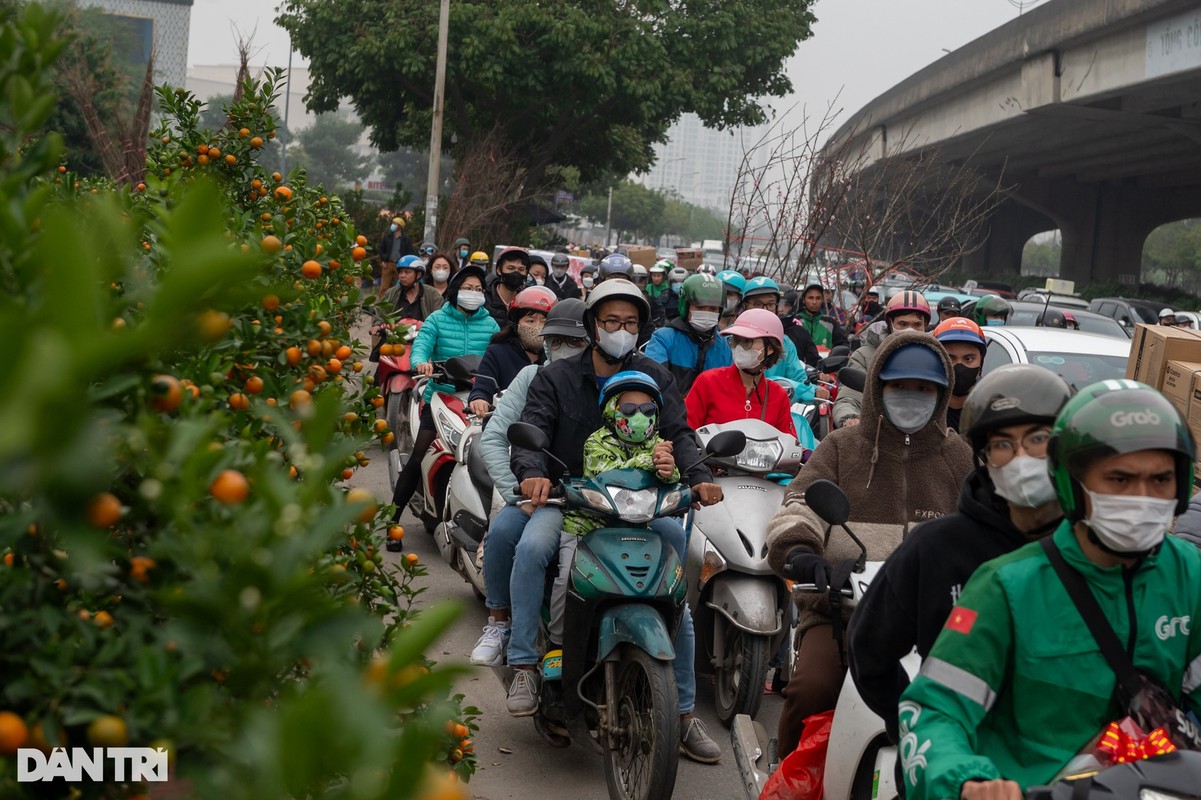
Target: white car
(1079,358)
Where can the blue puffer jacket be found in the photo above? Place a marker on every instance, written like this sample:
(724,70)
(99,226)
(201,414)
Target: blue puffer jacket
(677,347)
(447,333)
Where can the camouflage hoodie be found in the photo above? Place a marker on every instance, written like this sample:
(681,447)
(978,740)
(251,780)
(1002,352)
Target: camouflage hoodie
(603,451)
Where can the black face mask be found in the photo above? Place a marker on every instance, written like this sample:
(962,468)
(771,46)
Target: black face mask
(965,379)
(513,280)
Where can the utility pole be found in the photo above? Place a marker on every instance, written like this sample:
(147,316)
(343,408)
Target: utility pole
(431,190)
(609,219)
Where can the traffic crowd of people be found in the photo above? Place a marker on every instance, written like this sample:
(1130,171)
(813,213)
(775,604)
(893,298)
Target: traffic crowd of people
(983,495)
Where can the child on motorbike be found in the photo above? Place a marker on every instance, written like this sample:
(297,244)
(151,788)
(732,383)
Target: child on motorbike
(630,403)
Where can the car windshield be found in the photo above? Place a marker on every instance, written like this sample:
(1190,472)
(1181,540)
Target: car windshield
(1081,369)
(1102,325)
(1146,315)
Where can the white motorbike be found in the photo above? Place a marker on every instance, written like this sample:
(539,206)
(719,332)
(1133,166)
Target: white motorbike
(739,605)
(860,759)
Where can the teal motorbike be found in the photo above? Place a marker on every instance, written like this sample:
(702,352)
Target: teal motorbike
(625,601)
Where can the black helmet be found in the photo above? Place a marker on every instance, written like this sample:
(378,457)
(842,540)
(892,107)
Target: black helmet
(1012,395)
(1053,318)
(615,266)
(456,280)
(566,319)
(948,304)
(560,260)
(1110,418)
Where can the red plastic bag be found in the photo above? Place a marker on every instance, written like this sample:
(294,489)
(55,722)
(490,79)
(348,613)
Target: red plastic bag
(800,774)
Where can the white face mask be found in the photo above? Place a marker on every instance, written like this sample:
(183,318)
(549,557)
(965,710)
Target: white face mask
(703,320)
(1129,523)
(909,411)
(555,353)
(587,282)
(617,344)
(469,300)
(1024,481)
(559,271)
(441,275)
(747,358)
(539,281)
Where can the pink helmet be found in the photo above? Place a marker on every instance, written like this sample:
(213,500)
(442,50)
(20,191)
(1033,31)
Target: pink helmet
(757,323)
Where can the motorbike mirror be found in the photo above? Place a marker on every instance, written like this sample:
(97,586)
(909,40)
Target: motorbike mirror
(840,350)
(726,444)
(523,434)
(852,378)
(457,370)
(828,501)
(834,362)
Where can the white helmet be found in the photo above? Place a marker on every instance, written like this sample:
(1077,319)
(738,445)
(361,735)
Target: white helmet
(677,275)
(1167,312)
(639,270)
(707,269)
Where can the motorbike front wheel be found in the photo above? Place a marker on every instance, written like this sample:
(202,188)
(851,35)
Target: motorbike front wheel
(641,760)
(738,688)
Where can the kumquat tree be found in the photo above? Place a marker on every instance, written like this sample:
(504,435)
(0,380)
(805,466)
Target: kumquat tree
(183,567)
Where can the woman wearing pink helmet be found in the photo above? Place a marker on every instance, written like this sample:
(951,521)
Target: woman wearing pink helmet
(741,391)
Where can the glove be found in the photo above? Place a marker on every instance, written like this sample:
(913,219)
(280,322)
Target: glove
(805,566)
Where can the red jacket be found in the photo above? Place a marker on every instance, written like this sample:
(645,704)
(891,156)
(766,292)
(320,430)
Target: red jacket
(717,396)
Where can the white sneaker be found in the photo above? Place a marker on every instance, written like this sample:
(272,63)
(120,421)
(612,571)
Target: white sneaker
(490,649)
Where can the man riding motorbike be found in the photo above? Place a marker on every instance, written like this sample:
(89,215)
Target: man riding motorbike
(512,269)
(1005,502)
(690,343)
(901,467)
(563,403)
(559,282)
(1016,684)
(815,318)
(906,311)
(992,309)
(966,346)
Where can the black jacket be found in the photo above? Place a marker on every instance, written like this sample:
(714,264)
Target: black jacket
(805,347)
(563,401)
(567,289)
(394,248)
(496,304)
(911,597)
(501,362)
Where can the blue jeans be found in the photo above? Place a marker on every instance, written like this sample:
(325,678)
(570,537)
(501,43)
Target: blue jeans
(500,545)
(538,546)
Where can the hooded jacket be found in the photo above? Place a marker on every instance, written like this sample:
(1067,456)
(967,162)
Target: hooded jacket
(563,402)
(447,333)
(501,362)
(849,400)
(687,352)
(1188,524)
(912,594)
(891,478)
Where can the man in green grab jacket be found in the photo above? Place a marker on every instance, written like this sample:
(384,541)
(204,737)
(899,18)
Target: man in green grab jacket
(1015,684)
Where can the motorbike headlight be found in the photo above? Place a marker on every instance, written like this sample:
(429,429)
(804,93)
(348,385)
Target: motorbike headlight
(1157,794)
(635,505)
(597,500)
(451,429)
(759,456)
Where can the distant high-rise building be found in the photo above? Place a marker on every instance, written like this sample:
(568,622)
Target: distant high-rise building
(153,26)
(698,163)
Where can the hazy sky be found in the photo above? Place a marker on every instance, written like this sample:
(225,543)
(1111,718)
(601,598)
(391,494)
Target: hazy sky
(861,47)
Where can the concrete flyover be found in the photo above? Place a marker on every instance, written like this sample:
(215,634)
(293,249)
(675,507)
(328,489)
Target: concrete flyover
(1091,110)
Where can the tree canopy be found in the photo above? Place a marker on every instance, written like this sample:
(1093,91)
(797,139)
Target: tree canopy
(327,151)
(639,212)
(588,85)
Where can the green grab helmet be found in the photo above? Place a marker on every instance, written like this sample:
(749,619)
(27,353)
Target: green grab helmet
(990,305)
(1109,418)
(701,290)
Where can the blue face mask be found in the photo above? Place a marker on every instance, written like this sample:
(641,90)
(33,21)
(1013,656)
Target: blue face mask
(994,322)
(392,226)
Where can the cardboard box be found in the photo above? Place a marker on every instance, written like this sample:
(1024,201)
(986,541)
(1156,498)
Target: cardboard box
(640,254)
(689,258)
(1179,377)
(1193,415)
(1154,346)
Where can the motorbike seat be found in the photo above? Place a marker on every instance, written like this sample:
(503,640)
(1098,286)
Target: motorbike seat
(478,470)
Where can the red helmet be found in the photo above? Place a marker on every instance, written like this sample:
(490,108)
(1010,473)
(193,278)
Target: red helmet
(907,302)
(532,298)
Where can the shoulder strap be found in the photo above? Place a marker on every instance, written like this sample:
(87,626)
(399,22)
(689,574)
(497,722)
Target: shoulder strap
(1094,618)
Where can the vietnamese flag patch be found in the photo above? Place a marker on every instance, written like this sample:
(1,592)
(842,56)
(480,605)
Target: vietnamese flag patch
(961,620)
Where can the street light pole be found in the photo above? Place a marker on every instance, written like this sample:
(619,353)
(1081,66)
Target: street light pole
(609,219)
(431,190)
(283,148)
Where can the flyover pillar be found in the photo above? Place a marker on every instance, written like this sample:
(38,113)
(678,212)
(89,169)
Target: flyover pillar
(1009,228)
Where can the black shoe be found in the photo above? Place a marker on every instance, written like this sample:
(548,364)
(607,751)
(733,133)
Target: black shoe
(394,547)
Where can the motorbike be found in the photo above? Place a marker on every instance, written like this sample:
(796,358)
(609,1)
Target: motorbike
(625,601)
(469,495)
(818,413)
(860,761)
(739,606)
(451,421)
(396,379)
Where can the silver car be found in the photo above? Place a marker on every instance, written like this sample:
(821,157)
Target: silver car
(1079,358)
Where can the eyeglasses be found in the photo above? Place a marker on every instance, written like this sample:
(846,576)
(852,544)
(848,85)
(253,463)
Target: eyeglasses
(555,342)
(630,409)
(1034,443)
(768,303)
(613,325)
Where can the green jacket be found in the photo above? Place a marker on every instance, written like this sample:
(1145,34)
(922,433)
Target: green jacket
(603,451)
(821,330)
(1015,685)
